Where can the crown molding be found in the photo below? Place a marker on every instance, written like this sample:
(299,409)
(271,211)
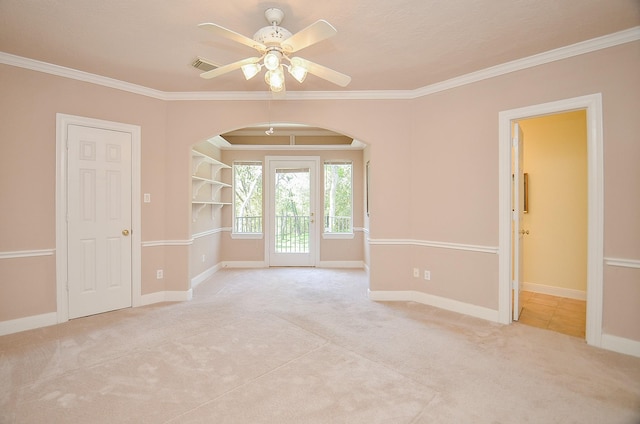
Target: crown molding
(588,46)
(61,71)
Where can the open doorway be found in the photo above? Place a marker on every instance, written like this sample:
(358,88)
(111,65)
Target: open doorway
(592,104)
(554,232)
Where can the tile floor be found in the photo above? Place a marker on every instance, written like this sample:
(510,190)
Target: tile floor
(567,316)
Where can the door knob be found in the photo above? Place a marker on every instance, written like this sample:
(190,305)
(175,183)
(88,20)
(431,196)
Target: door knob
(524,232)
(125,232)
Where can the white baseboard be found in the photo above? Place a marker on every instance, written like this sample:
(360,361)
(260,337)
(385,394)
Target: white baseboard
(621,345)
(244,264)
(195,281)
(437,301)
(28,323)
(341,264)
(166,296)
(555,291)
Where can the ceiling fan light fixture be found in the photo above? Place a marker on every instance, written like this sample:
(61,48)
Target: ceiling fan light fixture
(275,79)
(272,60)
(297,70)
(251,70)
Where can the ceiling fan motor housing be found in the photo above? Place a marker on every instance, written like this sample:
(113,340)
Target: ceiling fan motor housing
(273,34)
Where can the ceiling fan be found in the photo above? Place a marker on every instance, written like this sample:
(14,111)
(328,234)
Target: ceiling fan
(276,46)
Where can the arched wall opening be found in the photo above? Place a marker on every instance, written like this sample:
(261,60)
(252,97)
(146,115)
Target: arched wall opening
(192,122)
(216,245)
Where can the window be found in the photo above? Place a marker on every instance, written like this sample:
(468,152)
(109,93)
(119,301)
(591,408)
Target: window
(338,197)
(247,197)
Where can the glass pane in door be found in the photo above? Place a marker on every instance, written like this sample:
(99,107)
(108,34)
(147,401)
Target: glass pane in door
(292,210)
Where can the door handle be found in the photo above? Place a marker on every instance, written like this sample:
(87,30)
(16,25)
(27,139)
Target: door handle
(523,232)
(125,232)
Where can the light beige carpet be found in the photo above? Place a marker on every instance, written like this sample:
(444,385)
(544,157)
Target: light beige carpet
(307,346)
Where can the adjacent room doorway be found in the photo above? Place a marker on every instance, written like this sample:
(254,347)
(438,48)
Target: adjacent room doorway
(552,233)
(595,206)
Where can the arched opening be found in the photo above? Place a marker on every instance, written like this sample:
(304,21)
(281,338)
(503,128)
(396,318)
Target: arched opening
(229,167)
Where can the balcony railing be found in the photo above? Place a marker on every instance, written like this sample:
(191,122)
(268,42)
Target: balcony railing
(337,224)
(248,224)
(292,232)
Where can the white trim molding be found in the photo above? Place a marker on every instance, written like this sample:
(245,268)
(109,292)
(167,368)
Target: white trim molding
(435,301)
(166,296)
(205,275)
(187,242)
(435,244)
(595,209)
(243,264)
(588,46)
(210,232)
(621,345)
(61,71)
(341,264)
(28,323)
(27,253)
(599,43)
(623,263)
(555,291)
(156,243)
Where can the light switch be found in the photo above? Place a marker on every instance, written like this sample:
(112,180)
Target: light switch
(147,198)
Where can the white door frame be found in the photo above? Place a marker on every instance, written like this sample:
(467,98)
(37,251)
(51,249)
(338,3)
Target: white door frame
(315,246)
(595,215)
(62,123)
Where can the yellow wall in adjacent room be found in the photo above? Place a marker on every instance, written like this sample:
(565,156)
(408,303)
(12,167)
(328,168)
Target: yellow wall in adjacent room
(555,158)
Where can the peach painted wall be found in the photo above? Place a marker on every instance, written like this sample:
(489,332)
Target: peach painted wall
(555,158)
(455,165)
(434,179)
(29,102)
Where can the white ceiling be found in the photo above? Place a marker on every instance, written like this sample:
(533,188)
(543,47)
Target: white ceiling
(381,44)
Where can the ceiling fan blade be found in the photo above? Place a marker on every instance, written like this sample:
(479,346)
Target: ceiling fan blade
(232,35)
(228,68)
(314,33)
(323,72)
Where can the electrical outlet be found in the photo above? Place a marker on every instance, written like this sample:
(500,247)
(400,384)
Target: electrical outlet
(427,275)
(159,274)
(416,272)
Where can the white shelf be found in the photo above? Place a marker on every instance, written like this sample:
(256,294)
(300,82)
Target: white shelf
(199,182)
(206,176)
(198,159)
(210,181)
(197,202)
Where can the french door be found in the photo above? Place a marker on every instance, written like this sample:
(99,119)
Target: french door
(292,216)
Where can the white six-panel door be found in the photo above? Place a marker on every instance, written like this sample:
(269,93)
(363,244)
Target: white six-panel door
(98,220)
